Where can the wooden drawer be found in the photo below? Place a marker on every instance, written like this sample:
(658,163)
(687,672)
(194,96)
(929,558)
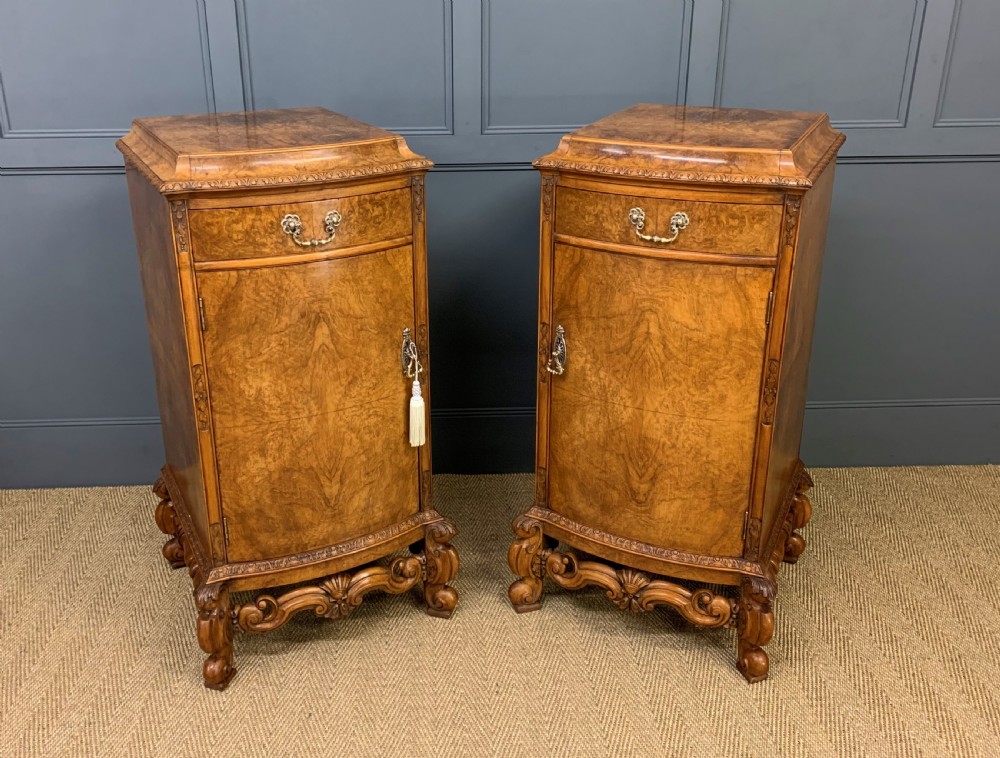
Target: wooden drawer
(713,227)
(256,231)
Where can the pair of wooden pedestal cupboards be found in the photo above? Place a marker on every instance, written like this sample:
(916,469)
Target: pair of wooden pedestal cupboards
(284,266)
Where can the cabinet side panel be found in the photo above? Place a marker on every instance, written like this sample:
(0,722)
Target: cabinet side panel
(797,345)
(164,317)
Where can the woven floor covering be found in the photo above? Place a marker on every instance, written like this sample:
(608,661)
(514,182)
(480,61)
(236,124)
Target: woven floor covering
(886,644)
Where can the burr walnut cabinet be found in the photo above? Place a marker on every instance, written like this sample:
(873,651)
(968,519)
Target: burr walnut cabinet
(680,259)
(283,264)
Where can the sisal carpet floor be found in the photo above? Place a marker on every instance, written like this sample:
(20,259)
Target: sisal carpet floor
(885,644)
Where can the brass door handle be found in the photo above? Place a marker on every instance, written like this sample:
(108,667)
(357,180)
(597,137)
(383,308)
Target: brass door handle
(409,359)
(292,226)
(637,217)
(557,358)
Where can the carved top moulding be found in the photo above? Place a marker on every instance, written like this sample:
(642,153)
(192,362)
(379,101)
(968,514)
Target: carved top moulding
(275,148)
(705,145)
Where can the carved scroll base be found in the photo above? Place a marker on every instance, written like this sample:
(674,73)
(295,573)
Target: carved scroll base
(434,562)
(335,597)
(533,556)
(166,520)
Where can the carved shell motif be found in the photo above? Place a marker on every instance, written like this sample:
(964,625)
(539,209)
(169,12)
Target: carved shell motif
(633,582)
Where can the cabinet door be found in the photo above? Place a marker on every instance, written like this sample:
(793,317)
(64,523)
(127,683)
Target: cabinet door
(653,423)
(309,403)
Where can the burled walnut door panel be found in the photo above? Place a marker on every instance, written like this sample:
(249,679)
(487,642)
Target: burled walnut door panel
(309,403)
(653,423)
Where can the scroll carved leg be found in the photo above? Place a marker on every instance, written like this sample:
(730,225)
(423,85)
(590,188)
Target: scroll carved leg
(215,634)
(440,567)
(755,622)
(166,520)
(801,512)
(526,558)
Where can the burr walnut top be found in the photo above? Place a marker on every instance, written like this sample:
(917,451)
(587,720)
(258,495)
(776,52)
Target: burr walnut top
(261,148)
(715,145)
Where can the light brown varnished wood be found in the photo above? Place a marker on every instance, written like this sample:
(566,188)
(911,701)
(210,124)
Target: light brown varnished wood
(806,259)
(710,146)
(669,445)
(161,283)
(278,366)
(255,232)
(714,228)
(262,150)
(304,368)
(653,423)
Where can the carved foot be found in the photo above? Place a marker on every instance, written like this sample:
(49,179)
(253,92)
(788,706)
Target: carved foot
(526,558)
(166,520)
(801,512)
(755,622)
(440,567)
(215,634)
(335,597)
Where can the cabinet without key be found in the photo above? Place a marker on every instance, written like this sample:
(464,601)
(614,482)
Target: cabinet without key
(284,267)
(679,268)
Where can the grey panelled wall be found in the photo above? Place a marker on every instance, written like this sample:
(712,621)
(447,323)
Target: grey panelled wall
(906,365)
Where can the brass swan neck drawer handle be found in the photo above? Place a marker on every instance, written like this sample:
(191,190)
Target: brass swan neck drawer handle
(557,359)
(637,217)
(292,226)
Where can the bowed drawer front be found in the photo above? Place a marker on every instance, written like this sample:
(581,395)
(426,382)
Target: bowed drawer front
(295,228)
(679,223)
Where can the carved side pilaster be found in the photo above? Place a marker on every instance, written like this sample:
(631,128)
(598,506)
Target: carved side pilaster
(548,189)
(178,210)
(218,538)
(543,352)
(215,634)
(752,547)
(440,567)
(417,190)
(541,487)
(200,396)
(793,203)
(770,392)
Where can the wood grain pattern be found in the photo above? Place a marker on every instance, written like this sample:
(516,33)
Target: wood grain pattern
(796,347)
(241,233)
(304,367)
(262,149)
(280,385)
(168,342)
(724,146)
(685,361)
(714,228)
(653,424)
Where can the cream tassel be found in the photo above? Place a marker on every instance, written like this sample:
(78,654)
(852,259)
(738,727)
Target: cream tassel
(418,424)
